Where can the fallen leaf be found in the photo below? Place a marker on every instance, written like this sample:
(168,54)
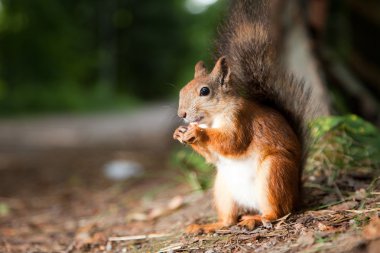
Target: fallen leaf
(83,237)
(172,247)
(344,206)
(323,227)
(360,194)
(8,232)
(372,230)
(306,239)
(156,212)
(137,217)
(173,205)
(176,202)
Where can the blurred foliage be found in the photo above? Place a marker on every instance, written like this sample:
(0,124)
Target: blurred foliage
(4,209)
(74,55)
(340,144)
(193,168)
(348,47)
(343,144)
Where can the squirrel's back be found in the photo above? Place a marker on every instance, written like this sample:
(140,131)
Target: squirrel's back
(249,40)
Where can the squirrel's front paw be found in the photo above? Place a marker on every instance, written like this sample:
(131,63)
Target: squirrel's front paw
(179,132)
(187,135)
(191,135)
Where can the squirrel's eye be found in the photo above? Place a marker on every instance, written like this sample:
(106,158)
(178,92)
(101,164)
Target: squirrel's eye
(204,91)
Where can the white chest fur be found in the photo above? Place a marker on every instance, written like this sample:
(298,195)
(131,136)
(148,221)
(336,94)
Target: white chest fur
(246,181)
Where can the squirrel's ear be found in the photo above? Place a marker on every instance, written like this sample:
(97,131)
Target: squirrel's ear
(221,71)
(200,69)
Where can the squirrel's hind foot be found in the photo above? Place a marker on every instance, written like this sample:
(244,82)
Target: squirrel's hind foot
(252,221)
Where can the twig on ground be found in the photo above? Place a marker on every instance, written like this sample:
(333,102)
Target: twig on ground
(172,247)
(70,248)
(136,237)
(283,218)
(338,192)
(364,211)
(340,220)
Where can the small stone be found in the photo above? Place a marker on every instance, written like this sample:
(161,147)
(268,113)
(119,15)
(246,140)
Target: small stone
(109,246)
(306,239)
(360,194)
(119,170)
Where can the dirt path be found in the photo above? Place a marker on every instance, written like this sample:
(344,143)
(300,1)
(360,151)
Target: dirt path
(144,128)
(53,180)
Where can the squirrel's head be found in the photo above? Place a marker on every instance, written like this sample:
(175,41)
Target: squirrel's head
(204,98)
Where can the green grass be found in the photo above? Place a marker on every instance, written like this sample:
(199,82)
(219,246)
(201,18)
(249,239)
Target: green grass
(193,168)
(342,144)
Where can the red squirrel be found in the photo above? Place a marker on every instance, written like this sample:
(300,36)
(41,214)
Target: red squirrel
(246,117)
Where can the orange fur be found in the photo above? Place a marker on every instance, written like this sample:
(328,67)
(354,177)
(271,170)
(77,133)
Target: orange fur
(226,208)
(264,130)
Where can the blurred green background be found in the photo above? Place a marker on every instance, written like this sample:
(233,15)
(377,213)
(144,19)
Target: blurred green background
(68,56)
(79,55)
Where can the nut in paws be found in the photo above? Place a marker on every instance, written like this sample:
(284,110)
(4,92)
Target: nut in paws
(186,134)
(191,135)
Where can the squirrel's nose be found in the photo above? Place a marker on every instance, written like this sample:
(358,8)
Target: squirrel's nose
(182,114)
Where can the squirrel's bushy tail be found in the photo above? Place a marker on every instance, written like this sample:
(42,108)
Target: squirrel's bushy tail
(250,42)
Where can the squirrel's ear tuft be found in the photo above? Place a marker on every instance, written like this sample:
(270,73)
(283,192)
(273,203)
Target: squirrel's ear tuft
(221,72)
(200,69)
